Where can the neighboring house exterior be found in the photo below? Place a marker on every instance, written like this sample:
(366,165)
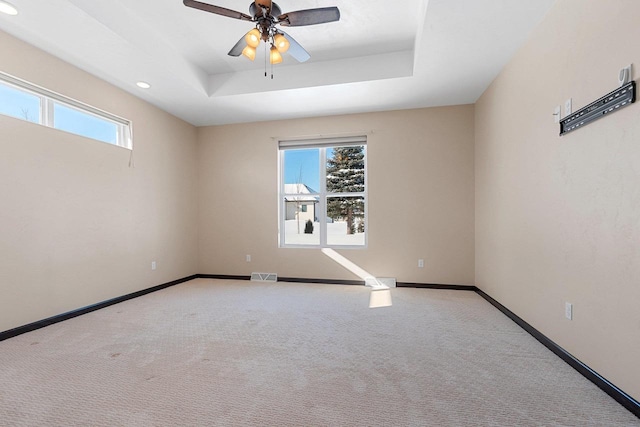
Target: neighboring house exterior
(300,206)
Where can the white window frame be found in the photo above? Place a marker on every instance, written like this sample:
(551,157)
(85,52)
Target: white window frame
(48,99)
(322,194)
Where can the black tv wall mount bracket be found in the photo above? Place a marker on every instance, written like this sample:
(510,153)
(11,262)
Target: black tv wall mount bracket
(610,103)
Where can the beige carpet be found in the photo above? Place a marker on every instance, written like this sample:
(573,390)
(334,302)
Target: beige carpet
(211,352)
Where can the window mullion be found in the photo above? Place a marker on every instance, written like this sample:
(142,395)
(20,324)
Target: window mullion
(354,194)
(44,108)
(48,113)
(322,200)
(282,206)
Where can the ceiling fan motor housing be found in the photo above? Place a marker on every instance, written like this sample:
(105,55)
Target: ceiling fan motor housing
(264,16)
(274,10)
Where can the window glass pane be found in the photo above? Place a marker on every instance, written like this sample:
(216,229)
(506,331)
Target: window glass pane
(20,104)
(301,225)
(302,171)
(302,179)
(74,121)
(345,169)
(345,221)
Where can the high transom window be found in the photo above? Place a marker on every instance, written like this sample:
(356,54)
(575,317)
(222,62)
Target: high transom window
(35,104)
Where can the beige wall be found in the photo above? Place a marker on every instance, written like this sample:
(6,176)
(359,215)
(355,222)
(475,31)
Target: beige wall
(420,166)
(77,225)
(558,218)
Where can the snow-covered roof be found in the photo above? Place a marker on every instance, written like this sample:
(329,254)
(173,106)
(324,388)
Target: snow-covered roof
(299,189)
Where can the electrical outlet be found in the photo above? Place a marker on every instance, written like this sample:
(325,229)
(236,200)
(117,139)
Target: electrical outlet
(568,310)
(248,258)
(420,263)
(153,265)
(567,107)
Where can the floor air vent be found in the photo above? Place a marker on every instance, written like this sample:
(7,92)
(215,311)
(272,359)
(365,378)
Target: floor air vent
(264,277)
(380,282)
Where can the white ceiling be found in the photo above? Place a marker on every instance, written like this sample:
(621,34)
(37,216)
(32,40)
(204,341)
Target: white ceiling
(381,55)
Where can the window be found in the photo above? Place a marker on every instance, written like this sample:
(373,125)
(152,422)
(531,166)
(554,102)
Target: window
(76,121)
(322,194)
(27,101)
(20,104)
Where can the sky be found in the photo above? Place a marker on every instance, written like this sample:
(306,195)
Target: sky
(303,166)
(26,106)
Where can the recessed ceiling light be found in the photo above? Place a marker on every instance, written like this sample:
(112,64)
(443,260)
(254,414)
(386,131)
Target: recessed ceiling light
(8,8)
(143,85)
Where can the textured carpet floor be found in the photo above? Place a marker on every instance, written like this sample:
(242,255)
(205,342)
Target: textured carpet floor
(211,352)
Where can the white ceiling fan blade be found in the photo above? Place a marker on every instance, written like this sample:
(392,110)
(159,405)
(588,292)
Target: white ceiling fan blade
(295,50)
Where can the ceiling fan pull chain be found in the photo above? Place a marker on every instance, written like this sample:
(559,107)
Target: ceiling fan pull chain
(265,59)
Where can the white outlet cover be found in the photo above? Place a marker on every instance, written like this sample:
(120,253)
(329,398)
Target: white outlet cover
(420,263)
(567,107)
(568,310)
(153,265)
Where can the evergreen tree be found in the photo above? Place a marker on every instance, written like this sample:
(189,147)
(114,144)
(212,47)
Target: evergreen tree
(345,174)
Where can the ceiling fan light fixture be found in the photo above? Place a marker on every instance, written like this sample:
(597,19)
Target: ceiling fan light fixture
(281,42)
(249,52)
(253,38)
(274,56)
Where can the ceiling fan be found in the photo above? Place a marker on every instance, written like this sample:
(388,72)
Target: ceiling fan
(266,15)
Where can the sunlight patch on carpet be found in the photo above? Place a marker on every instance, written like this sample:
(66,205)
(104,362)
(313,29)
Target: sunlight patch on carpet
(380,298)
